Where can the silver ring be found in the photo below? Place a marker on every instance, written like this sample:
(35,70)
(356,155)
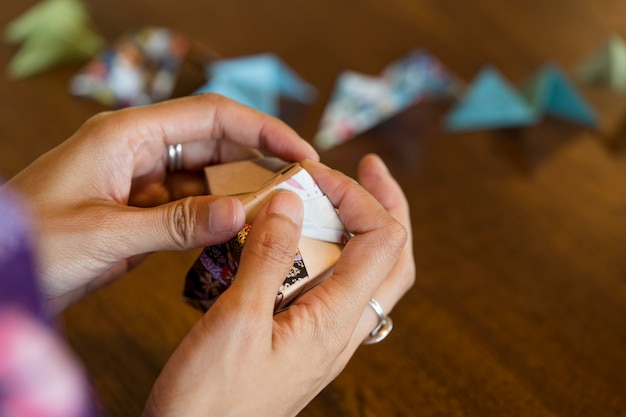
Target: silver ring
(384,326)
(175,157)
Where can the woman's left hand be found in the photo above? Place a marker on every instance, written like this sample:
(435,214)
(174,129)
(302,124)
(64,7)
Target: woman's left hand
(86,193)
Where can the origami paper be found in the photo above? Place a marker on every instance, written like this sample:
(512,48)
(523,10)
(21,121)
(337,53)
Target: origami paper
(360,102)
(606,67)
(140,68)
(257,81)
(550,92)
(51,32)
(319,247)
(490,103)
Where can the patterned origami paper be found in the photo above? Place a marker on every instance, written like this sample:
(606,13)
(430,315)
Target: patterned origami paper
(360,102)
(51,32)
(257,81)
(606,67)
(491,102)
(140,68)
(550,92)
(253,182)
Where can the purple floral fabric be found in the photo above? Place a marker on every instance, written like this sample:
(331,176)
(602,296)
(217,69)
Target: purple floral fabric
(39,376)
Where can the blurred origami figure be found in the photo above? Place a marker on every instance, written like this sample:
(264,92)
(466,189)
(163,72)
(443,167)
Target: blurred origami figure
(141,68)
(606,67)
(52,32)
(550,92)
(257,81)
(360,102)
(39,375)
(490,103)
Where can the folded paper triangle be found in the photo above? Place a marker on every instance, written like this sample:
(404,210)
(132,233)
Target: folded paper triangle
(258,81)
(489,103)
(606,67)
(51,32)
(359,101)
(550,92)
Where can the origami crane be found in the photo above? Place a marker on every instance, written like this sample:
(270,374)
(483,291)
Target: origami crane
(257,81)
(550,92)
(606,67)
(490,102)
(360,102)
(140,68)
(51,32)
(253,182)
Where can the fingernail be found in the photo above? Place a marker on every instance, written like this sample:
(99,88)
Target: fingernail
(223,215)
(287,204)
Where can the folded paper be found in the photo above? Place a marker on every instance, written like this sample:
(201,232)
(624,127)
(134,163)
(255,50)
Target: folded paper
(490,102)
(258,81)
(550,92)
(253,182)
(50,33)
(606,67)
(140,68)
(360,102)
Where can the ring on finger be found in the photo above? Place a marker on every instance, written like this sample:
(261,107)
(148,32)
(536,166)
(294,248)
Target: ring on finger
(175,157)
(384,326)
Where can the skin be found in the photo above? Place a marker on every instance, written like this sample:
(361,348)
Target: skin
(104,201)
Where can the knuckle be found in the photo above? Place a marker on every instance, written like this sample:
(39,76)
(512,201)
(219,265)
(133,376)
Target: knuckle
(325,336)
(273,246)
(181,222)
(395,236)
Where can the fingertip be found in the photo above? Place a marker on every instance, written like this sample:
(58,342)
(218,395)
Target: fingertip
(288,204)
(373,162)
(311,153)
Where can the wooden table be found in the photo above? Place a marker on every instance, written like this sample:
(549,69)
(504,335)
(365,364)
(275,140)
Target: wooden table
(519,308)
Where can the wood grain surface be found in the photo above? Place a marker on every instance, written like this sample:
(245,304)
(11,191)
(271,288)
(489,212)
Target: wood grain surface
(519,308)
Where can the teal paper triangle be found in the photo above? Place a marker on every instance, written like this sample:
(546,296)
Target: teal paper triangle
(550,92)
(606,67)
(257,81)
(490,103)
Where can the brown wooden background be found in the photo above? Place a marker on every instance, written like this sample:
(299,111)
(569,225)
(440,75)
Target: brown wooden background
(519,308)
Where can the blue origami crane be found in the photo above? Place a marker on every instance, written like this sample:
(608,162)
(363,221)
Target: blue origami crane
(490,103)
(258,81)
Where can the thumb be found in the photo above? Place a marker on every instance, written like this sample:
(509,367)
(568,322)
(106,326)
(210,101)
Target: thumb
(184,224)
(268,254)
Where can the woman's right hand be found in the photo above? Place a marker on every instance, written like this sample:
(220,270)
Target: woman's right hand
(242,360)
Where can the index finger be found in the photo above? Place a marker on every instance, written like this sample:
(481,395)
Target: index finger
(206,118)
(368,257)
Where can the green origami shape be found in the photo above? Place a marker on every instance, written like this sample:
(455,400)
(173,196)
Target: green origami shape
(606,67)
(52,32)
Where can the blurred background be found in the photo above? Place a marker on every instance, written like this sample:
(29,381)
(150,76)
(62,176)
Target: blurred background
(519,307)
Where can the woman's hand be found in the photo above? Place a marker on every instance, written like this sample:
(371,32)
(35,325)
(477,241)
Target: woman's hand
(86,193)
(242,360)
